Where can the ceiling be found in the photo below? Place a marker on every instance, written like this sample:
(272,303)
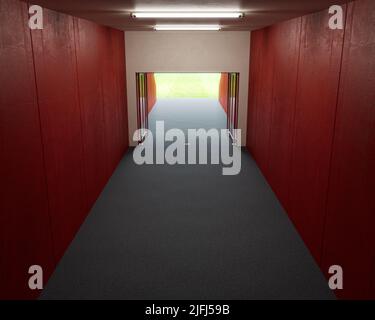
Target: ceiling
(116,13)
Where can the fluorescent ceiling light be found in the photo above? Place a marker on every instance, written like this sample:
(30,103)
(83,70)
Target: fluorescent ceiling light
(181,27)
(182,14)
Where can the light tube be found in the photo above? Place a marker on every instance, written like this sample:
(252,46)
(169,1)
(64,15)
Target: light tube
(187,15)
(181,27)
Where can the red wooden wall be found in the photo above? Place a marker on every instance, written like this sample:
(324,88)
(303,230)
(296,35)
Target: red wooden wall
(350,223)
(63,125)
(25,233)
(311,129)
(316,93)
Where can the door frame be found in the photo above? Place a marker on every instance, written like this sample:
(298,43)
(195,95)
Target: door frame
(142,105)
(233,103)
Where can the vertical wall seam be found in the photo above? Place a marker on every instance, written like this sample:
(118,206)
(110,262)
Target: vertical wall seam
(107,164)
(255,106)
(83,169)
(267,164)
(107,167)
(43,146)
(293,121)
(334,134)
(249,120)
(125,103)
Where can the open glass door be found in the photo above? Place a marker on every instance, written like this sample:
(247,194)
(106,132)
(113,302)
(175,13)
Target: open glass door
(233,86)
(141,79)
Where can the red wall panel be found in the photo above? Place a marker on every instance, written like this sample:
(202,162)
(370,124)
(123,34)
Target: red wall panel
(54,51)
(264,101)
(110,101)
(63,130)
(349,234)
(25,235)
(118,53)
(119,57)
(286,43)
(89,59)
(318,77)
(330,178)
(254,87)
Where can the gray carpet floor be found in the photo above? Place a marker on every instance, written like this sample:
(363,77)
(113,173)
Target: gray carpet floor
(187,232)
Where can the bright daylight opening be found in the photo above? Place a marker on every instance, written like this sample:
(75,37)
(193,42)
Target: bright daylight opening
(187,100)
(187,85)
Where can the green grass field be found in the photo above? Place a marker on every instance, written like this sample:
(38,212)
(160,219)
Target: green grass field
(187,85)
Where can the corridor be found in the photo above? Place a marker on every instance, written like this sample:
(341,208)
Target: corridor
(88,210)
(199,236)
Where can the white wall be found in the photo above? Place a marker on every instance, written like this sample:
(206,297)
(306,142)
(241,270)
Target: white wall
(196,51)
